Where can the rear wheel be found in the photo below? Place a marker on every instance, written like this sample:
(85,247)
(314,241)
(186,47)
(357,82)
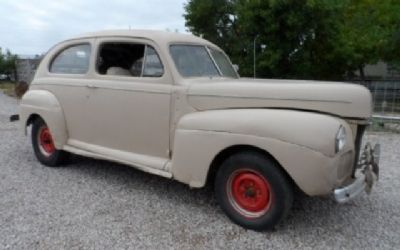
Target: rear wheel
(253,191)
(43,145)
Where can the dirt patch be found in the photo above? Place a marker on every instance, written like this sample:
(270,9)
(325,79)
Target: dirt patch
(8,88)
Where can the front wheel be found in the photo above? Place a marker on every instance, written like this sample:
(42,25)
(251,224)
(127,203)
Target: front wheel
(253,191)
(43,145)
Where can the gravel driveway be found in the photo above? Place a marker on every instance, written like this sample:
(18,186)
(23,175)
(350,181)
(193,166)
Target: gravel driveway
(91,204)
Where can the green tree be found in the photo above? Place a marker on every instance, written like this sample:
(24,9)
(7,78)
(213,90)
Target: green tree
(309,39)
(1,61)
(7,63)
(215,20)
(370,32)
(298,35)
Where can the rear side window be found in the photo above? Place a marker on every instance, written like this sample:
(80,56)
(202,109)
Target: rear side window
(72,60)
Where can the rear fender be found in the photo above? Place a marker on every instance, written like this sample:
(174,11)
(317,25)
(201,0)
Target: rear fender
(44,104)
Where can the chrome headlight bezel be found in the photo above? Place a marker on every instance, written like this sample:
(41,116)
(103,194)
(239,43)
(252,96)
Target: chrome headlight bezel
(340,139)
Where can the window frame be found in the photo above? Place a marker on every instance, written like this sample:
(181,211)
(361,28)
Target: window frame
(124,41)
(64,48)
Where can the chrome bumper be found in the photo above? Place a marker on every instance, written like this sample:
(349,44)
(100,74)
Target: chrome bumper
(365,177)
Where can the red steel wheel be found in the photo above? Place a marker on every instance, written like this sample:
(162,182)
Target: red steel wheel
(46,143)
(253,190)
(249,193)
(43,145)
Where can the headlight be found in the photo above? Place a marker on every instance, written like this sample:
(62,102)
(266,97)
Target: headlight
(340,139)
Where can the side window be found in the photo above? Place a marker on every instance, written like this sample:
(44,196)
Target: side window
(72,60)
(152,64)
(128,59)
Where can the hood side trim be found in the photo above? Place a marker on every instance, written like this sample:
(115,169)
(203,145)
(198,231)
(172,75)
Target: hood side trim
(271,98)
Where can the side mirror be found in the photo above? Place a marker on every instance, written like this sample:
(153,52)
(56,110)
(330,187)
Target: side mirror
(236,67)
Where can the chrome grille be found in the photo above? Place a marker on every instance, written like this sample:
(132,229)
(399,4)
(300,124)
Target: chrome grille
(357,145)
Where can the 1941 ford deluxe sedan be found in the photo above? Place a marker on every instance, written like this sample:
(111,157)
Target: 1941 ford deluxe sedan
(173,105)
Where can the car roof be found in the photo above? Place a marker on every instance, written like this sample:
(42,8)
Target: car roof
(155,35)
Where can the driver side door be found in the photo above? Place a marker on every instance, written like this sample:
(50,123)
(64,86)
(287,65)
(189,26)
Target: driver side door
(129,105)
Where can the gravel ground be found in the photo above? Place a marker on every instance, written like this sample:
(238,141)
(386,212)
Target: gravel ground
(91,204)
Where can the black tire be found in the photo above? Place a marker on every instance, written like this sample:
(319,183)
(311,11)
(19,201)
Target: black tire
(50,158)
(268,195)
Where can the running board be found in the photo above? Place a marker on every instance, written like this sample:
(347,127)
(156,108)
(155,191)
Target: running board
(141,167)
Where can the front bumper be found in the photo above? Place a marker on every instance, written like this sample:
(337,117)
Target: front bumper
(365,177)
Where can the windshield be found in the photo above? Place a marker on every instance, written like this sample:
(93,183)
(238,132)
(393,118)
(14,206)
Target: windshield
(223,63)
(199,61)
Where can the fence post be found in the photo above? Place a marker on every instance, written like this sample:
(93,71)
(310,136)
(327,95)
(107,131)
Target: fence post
(394,100)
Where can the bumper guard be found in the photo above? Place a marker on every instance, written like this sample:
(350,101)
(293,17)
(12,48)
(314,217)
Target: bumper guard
(366,175)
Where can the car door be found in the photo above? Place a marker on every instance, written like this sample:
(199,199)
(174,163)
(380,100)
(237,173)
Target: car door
(129,104)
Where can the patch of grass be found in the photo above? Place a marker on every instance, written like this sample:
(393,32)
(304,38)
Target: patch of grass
(7,88)
(382,125)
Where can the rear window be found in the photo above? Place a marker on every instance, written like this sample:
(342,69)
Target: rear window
(72,60)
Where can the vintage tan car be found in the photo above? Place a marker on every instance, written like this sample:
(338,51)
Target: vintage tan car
(173,105)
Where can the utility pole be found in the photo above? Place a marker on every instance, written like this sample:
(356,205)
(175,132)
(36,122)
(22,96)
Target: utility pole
(254,56)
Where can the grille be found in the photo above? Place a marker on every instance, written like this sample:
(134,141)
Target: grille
(357,145)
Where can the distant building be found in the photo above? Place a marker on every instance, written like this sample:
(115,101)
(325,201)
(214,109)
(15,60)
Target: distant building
(381,70)
(26,67)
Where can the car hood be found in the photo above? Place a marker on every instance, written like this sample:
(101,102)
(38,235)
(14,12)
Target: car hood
(341,99)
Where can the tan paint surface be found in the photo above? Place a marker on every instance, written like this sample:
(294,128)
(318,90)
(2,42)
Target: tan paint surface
(300,141)
(343,99)
(174,127)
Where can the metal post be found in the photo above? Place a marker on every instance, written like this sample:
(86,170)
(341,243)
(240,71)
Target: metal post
(397,95)
(376,107)
(384,103)
(254,56)
(393,88)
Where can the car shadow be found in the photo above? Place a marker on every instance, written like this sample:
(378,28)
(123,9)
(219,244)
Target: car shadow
(131,178)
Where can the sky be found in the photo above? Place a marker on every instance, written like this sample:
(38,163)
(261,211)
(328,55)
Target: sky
(30,27)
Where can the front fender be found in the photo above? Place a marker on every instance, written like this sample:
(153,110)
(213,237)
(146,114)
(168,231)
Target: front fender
(44,104)
(302,142)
